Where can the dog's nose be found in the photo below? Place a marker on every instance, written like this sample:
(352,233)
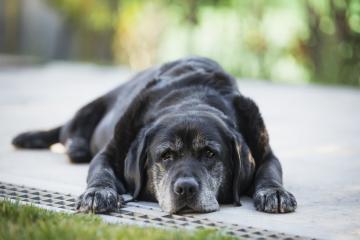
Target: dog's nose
(186,187)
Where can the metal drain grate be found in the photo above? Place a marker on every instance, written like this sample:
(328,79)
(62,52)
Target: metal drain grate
(143,217)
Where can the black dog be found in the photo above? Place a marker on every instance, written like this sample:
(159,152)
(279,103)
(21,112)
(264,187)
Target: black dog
(181,134)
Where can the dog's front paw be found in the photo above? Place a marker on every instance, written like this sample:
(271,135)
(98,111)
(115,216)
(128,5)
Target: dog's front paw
(99,200)
(274,200)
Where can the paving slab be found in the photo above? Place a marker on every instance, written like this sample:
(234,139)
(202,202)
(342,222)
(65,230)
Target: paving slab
(314,130)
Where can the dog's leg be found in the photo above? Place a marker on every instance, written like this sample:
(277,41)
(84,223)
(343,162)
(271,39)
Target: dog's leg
(76,134)
(103,187)
(37,139)
(268,192)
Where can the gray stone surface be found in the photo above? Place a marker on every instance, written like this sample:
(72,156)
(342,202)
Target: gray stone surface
(313,130)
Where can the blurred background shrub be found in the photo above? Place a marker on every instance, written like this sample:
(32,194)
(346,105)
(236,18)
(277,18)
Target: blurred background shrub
(280,40)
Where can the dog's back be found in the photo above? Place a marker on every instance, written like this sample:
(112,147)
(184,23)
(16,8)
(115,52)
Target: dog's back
(93,125)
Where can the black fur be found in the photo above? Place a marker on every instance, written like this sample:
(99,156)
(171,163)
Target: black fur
(117,133)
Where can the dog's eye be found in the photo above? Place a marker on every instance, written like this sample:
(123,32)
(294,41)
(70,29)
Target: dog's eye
(168,155)
(209,153)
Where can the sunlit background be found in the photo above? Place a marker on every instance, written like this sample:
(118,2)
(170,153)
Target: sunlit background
(281,40)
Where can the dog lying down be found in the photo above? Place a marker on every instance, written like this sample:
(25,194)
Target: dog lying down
(181,134)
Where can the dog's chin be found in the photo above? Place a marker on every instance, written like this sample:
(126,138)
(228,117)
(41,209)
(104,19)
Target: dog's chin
(184,210)
(189,208)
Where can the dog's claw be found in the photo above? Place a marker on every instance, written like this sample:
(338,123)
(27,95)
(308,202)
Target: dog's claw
(274,200)
(99,200)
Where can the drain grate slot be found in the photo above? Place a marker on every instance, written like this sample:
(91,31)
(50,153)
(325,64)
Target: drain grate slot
(68,202)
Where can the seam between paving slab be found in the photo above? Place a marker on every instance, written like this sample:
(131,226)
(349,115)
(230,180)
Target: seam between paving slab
(128,215)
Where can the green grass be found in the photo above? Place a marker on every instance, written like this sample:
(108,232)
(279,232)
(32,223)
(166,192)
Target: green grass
(28,222)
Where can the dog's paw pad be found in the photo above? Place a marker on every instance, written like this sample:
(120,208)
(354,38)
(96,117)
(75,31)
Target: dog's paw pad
(99,200)
(274,200)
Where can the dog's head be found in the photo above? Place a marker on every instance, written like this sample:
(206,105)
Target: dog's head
(189,162)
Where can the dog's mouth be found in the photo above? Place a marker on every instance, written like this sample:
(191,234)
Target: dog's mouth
(185,209)
(193,207)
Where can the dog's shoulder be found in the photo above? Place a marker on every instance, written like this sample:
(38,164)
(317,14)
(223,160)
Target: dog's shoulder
(193,71)
(184,64)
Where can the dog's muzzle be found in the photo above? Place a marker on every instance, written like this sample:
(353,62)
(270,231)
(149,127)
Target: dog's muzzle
(186,187)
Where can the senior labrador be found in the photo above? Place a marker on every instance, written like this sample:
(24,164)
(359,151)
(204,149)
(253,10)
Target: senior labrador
(181,134)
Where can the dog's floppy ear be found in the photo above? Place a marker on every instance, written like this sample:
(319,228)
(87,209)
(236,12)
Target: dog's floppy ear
(243,167)
(135,163)
(129,141)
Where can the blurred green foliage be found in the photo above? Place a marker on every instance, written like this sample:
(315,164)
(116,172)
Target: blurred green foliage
(279,40)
